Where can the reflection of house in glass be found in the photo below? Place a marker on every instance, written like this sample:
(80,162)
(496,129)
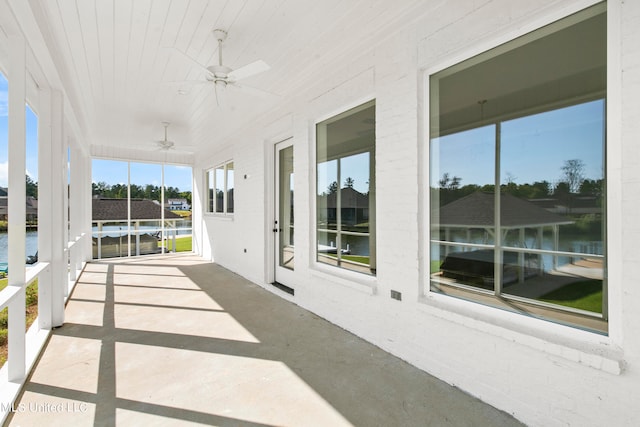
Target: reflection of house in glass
(576,205)
(112,237)
(354,207)
(469,223)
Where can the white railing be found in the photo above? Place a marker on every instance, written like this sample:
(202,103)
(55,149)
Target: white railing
(25,347)
(129,240)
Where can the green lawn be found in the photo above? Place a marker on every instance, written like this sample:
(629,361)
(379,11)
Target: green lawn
(184,214)
(354,258)
(435,266)
(357,258)
(183,244)
(584,295)
(32,313)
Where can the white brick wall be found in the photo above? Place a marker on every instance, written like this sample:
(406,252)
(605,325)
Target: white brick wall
(545,374)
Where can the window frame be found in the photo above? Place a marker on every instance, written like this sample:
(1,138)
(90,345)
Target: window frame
(466,306)
(211,185)
(338,271)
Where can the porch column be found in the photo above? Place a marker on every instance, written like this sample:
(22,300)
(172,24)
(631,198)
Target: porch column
(65,210)
(75,208)
(51,192)
(521,257)
(137,231)
(88,209)
(16,201)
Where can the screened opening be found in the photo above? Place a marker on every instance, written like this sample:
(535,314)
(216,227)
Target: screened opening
(140,209)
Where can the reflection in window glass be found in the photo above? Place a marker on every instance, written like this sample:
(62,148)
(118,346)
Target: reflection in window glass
(345,200)
(229,185)
(210,191)
(220,184)
(220,189)
(4,169)
(285,200)
(517,174)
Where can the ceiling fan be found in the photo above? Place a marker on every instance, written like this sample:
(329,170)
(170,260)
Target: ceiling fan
(223,76)
(165,144)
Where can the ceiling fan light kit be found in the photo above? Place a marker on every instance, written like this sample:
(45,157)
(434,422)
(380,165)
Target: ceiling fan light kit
(165,144)
(222,76)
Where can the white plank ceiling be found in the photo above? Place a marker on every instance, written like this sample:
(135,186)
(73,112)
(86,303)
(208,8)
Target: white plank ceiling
(117,59)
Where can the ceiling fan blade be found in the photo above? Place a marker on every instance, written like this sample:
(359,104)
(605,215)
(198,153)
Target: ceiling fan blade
(186,82)
(250,90)
(188,58)
(248,70)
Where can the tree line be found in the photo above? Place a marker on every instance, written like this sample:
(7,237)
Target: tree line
(149,192)
(117,191)
(571,183)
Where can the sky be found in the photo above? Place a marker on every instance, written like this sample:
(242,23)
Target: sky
(533,148)
(115,172)
(355,167)
(32,137)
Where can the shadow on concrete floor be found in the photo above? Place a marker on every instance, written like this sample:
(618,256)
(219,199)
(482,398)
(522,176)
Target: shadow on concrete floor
(179,341)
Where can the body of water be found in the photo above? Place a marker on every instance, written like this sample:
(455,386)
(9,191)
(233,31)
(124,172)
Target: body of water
(115,231)
(32,245)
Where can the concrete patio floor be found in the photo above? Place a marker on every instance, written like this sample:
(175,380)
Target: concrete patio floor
(181,341)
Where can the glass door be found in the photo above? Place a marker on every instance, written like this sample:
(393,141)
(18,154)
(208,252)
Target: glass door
(284,215)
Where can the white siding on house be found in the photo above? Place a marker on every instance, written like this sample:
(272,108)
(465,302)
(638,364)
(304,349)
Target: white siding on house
(543,373)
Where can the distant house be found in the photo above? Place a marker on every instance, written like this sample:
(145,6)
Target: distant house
(577,205)
(477,211)
(115,210)
(178,205)
(143,213)
(354,207)
(31,208)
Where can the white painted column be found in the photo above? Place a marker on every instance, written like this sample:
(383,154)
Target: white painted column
(88,209)
(75,207)
(58,220)
(85,211)
(136,230)
(100,240)
(45,197)
(65,201)
(17,204)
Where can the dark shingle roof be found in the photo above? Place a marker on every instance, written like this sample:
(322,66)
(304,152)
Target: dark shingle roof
(31,205)
(477,210)
(349,198)
(116,210)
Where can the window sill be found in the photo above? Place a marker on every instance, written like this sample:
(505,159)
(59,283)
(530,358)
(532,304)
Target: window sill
(353,280)
(219,216)
(572,344)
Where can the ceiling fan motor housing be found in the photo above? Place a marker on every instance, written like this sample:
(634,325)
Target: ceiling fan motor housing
(218,72)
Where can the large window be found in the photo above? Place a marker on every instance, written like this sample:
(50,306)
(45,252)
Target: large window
(345,223)
(220,189)
(135,208)
(517,174)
